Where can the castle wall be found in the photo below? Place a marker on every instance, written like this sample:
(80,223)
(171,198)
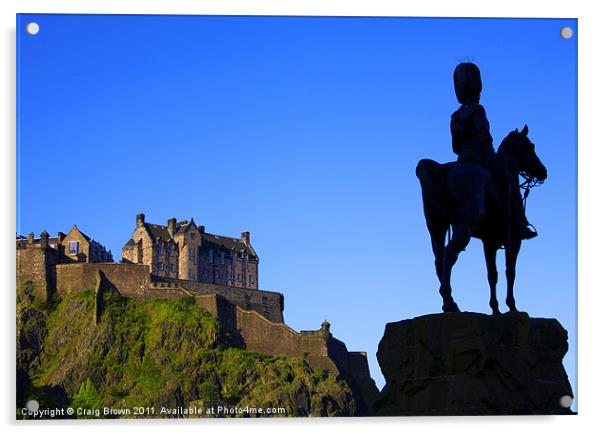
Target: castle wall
(264,336)
(31,265)
(358,364)
(134,281)
(261,335)
(34,265)
(129,279)
(267,303)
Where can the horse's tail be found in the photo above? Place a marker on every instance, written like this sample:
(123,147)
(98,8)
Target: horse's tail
(426,170)
(429,174)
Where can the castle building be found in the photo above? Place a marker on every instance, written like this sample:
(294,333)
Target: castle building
(75,246)
(183,250)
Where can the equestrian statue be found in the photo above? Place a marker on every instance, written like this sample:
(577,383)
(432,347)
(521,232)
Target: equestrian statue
(479,194)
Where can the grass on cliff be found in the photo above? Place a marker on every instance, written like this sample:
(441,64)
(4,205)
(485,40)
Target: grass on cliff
(168,354)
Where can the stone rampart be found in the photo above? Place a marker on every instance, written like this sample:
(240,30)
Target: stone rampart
(267,303)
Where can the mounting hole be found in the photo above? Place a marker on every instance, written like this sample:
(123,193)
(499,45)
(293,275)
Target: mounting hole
(32,28)
(566,32)
(32,405)
(566,401)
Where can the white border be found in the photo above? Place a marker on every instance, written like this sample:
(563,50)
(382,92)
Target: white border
(590,75)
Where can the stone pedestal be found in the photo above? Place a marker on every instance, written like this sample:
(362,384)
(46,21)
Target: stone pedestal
(473,364)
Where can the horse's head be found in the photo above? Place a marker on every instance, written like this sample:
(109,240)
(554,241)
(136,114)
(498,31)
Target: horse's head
(520,152)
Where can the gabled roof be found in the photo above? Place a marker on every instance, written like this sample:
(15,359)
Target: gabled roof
(217,241)
(86,237)
(158,231)
(182,229)
(228,243)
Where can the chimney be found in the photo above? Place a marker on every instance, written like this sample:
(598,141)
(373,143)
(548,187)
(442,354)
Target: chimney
(139,219)
(60,237)
(171,226)
(30,238)
(44,240)
(201,229)
(246,237)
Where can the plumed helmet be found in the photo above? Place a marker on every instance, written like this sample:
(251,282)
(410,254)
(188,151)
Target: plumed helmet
(467,83)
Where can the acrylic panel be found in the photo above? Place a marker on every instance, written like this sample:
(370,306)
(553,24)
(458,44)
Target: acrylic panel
(246,216)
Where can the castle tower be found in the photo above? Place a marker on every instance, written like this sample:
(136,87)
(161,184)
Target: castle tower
(139,219)
(44,240)
(171,226)
(188,238)
(246,237)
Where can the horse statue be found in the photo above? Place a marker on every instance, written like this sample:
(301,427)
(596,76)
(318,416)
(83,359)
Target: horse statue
(476,203)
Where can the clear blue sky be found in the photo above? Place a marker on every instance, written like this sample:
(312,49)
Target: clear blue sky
(306,132)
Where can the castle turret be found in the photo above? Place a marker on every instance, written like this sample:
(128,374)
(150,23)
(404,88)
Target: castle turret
(139,219)
(30,238)
(44,240)
(171,226)
(246,237)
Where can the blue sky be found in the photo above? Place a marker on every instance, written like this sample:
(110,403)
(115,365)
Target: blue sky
(306,132)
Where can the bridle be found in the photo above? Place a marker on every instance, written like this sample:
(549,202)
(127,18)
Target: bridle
(529,182)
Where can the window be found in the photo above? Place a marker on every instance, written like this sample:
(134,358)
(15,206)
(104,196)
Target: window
(192,235)
(172,268)
(159,249)
(73,247)
(205,272)
(244,263)
(190,274)
(222,258)
(216,275)
(238,277)
(170,250)
(234,260)
(191,254)
(211,256)
(251,279)
(160,266)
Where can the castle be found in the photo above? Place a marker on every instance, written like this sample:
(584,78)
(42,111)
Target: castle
(75,246)
(182,260)
(184,250)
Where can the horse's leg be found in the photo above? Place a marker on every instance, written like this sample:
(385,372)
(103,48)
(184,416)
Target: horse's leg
(460,238)
(490,250)
(437,232)
(511,257)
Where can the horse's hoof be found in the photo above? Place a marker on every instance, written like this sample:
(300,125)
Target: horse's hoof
(511,305)
(450,307)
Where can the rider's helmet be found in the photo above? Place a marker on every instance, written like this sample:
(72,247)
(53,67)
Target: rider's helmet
(467,83)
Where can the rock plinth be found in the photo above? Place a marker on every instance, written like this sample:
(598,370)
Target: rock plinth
(473,364)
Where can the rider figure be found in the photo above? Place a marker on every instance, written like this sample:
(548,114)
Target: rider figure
(471,139)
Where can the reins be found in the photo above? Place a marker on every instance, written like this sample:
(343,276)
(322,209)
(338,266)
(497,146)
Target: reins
(529,183)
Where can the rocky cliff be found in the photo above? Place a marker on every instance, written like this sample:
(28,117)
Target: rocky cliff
(159,354)
(471,364)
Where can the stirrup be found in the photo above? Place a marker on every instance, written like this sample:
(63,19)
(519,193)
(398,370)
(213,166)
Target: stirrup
(527,233)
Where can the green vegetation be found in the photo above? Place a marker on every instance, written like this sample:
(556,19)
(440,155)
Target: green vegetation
(158,354)
(87,397)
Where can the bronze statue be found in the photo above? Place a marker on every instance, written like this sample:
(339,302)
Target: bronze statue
(479,195)
(471,139)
